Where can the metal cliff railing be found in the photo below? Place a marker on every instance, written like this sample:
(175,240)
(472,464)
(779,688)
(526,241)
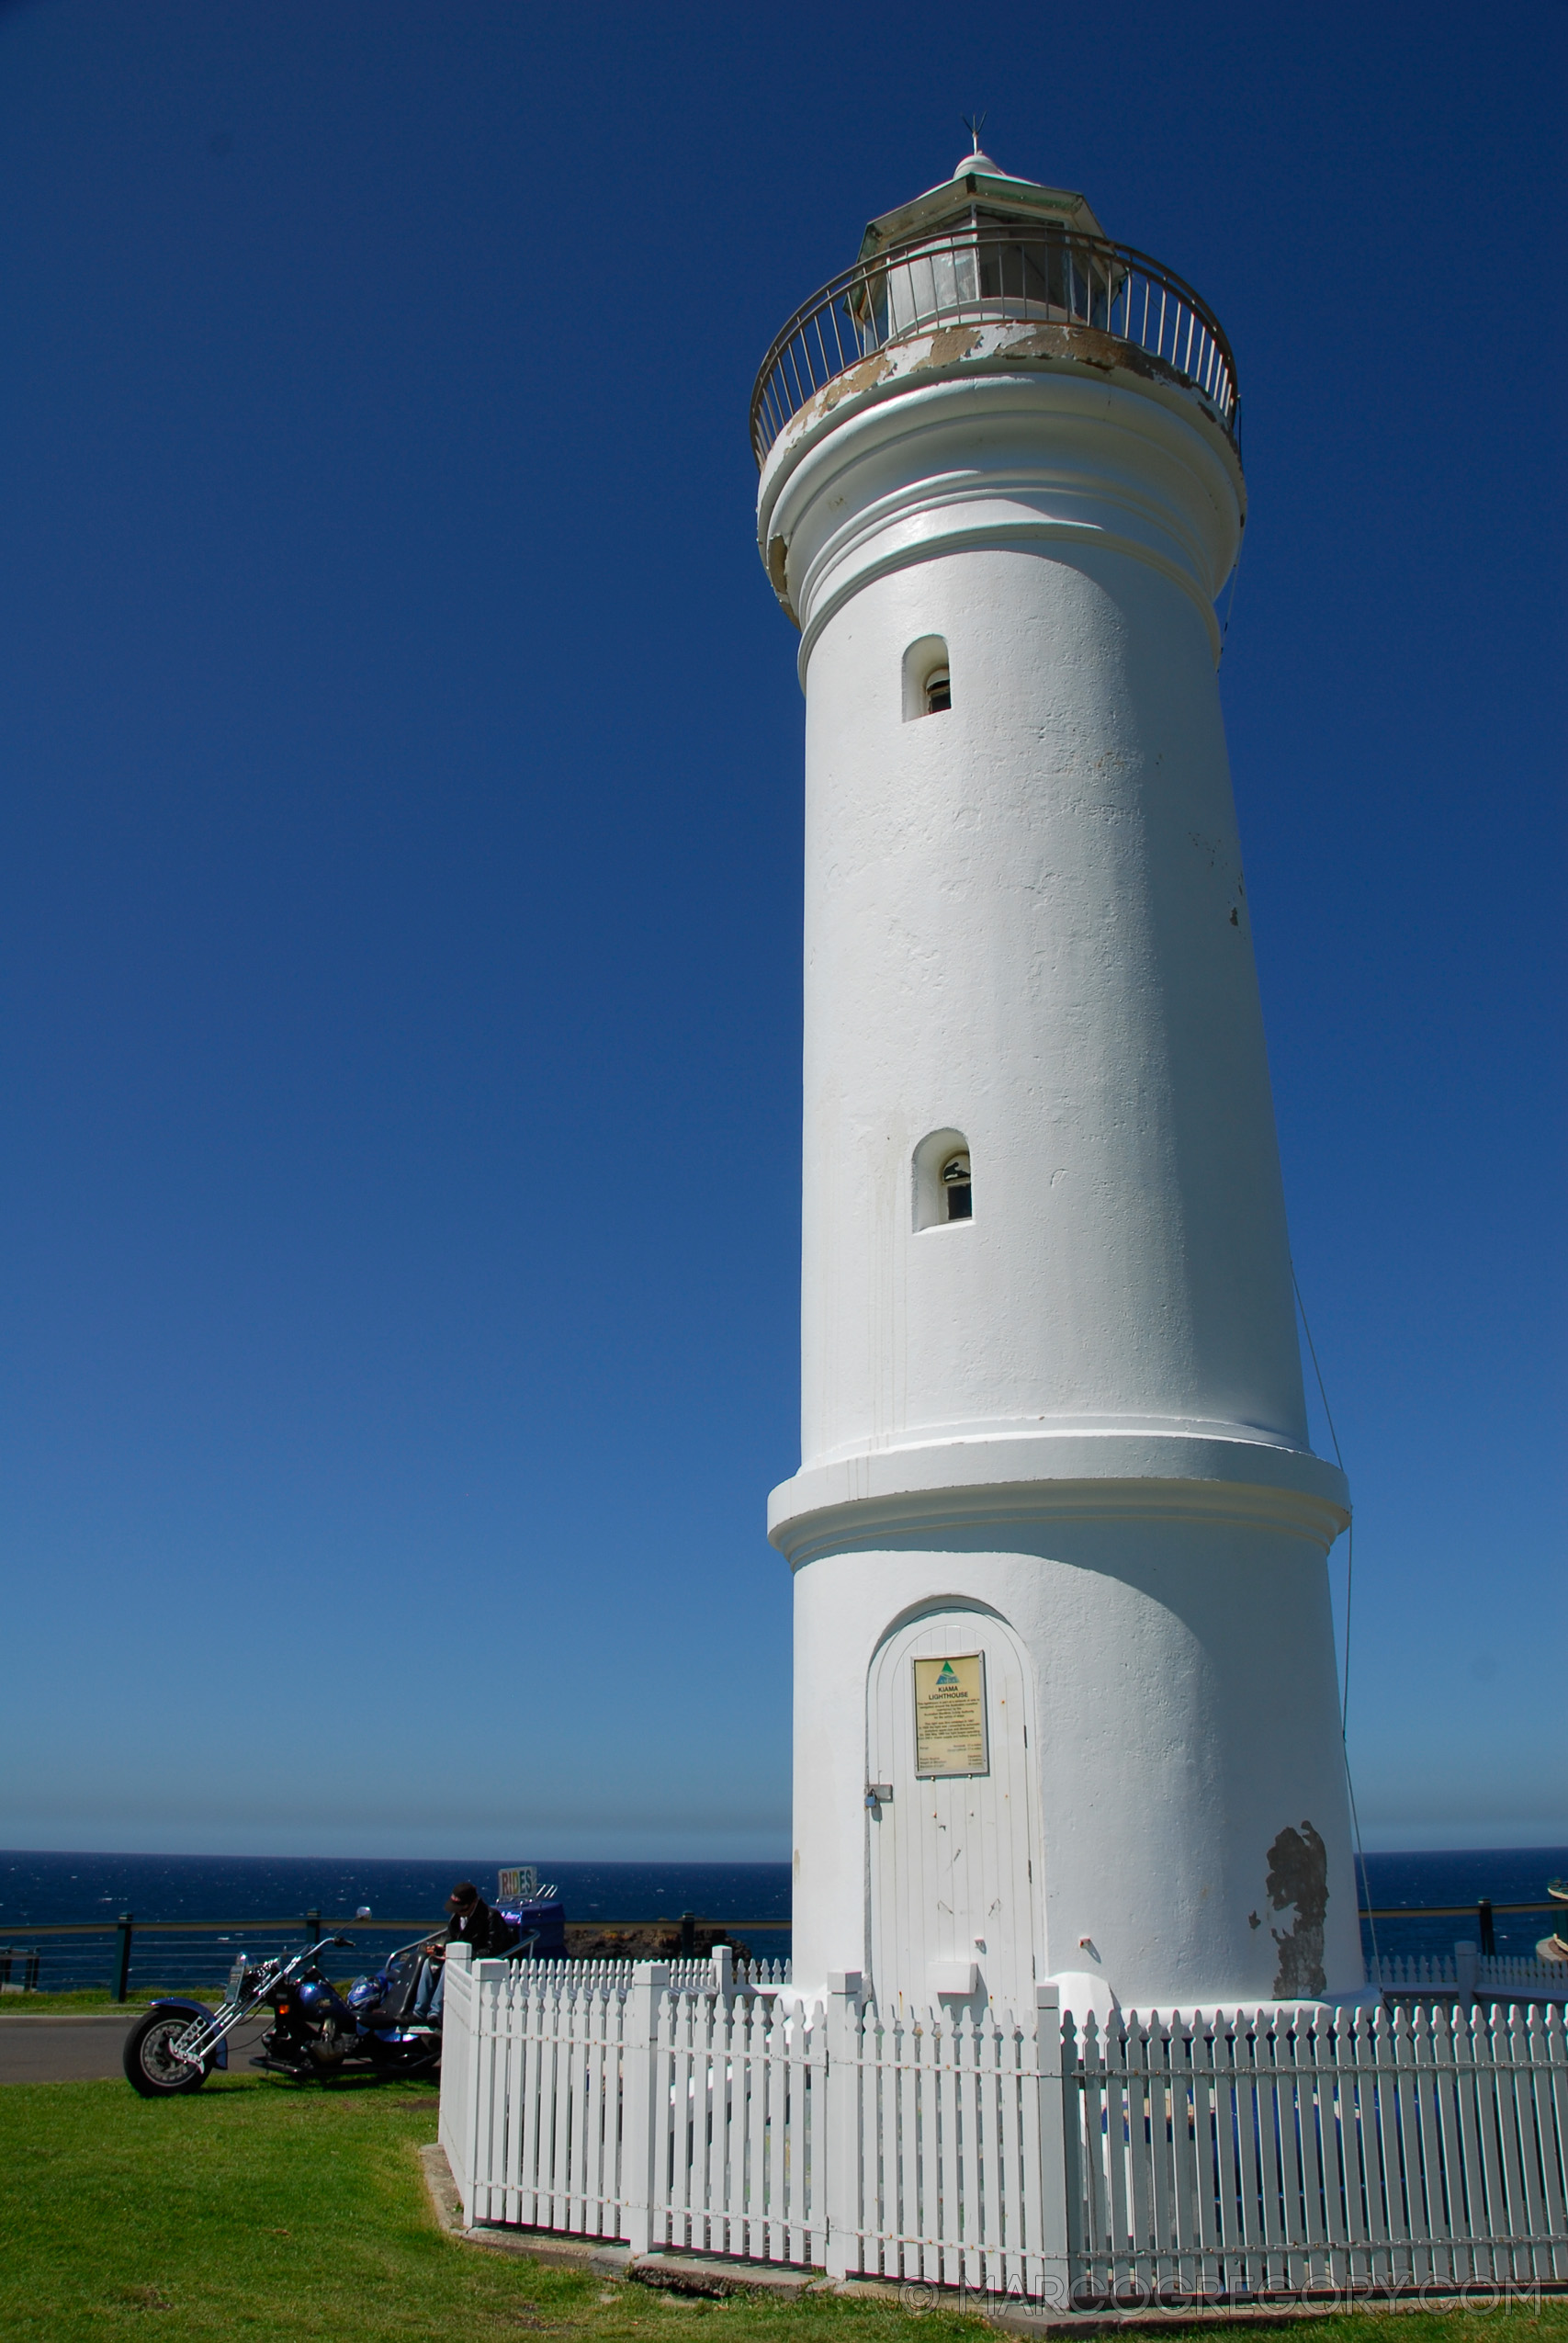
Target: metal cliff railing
(1105,303)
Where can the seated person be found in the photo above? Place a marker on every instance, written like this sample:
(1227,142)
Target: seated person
(471,1922)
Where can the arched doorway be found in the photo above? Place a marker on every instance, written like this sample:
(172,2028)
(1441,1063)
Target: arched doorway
(955,1891)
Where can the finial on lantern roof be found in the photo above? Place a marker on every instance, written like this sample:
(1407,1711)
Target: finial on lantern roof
(977,159)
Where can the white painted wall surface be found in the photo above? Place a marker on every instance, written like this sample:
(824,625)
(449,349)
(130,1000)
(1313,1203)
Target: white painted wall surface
(1017,924)
(1184,1714)
(1026,921)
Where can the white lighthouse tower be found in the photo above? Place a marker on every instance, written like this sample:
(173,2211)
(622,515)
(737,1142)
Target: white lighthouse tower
(1065,1685)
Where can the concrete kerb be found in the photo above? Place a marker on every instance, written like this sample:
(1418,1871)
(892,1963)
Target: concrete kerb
(594,2254)
(716,2277)
(1015,2317)
(670,2273)
(713,2276)
(1011,2317)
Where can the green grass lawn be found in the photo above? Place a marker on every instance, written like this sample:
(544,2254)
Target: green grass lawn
(260,2209)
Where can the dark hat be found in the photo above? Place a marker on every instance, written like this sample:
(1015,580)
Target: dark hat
(464,1892)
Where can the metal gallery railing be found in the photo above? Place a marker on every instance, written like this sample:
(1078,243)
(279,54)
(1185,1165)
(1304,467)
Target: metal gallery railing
(988,277)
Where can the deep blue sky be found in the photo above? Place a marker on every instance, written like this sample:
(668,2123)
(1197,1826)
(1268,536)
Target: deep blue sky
(401,759)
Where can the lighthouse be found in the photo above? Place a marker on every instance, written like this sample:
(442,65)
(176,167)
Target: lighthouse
(1066,1698)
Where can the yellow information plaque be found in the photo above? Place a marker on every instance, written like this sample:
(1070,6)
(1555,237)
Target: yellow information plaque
(950,1716)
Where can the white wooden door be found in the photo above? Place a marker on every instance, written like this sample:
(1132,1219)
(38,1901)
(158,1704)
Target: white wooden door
(953,1866)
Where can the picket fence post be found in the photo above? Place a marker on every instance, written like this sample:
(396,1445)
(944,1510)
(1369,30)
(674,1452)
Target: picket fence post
(641,2126)
(459,1956)
(841,2132)
(1054,2282)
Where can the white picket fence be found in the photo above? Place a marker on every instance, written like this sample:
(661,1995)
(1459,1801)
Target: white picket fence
(946,2139)
(1465,1970)
(665,2111)
(690,1976)
(1254,2158)
(1358,2152)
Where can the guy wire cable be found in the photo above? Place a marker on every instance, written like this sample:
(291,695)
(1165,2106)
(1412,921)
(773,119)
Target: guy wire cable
(1351,1530)
(1225,629)
(1349,1588)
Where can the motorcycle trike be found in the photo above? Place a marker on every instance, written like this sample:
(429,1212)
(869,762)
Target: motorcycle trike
(316,2030)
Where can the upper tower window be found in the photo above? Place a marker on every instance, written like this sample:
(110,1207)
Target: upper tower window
(928,678)
(943,1183)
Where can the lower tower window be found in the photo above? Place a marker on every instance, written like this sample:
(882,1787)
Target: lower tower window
(944,1180)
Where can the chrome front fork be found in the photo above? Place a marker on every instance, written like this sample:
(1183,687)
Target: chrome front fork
(202,2036)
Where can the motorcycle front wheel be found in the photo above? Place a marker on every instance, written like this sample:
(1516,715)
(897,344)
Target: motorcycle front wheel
(149,2066)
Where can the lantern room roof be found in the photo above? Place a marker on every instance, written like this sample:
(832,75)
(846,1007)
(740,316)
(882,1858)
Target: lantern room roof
(978,191)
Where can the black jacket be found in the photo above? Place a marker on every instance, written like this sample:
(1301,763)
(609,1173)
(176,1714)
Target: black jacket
(485,1929)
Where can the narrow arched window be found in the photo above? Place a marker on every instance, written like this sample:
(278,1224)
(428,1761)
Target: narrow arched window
(928,678)
(944,1180)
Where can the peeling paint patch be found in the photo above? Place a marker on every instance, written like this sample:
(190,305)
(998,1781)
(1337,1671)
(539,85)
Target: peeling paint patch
(953,343)
(1298,1875)
(1071,342)
(863,377)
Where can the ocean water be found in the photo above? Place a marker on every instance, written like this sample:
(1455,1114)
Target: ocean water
(38,1890)
(1418,1887)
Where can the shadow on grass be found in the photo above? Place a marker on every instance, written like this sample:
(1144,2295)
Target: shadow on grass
(225,2083)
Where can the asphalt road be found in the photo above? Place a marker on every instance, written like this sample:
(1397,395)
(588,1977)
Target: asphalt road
(83,2048)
